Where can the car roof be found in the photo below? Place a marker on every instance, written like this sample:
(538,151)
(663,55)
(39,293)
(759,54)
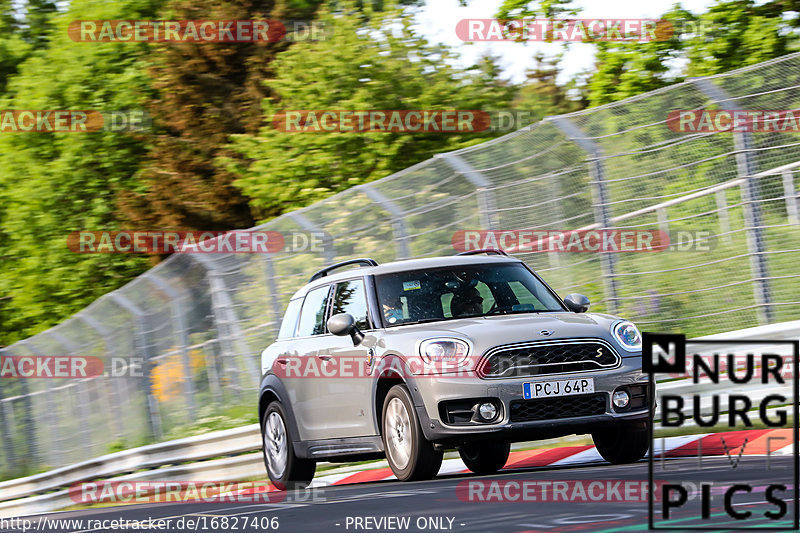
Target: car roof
(404,266)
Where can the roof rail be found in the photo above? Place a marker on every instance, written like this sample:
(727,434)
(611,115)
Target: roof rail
(361,261)
(488,251)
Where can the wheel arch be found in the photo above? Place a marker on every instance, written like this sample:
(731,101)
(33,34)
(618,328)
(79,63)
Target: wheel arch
(272,389)
(382,387)
(388,378)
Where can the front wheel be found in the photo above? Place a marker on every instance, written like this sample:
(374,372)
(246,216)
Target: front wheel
(622,445)
(485,457)
(410,455)
(285,469)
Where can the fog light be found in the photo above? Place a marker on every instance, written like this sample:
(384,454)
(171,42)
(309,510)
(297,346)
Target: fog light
(621,399)
(487,411)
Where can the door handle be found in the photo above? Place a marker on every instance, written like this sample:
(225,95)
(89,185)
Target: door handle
(325,357)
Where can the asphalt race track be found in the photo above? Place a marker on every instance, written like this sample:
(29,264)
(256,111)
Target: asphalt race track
(437,505)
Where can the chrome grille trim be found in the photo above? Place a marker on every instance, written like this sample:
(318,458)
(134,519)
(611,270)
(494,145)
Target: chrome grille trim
(514,370)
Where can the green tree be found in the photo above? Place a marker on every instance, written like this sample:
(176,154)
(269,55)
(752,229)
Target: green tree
(205,94)
(510,9)
(542,95)
(37,23)
(624,69)
(731,34)
(13,48)
(53,183)
(742,32)
(380,65)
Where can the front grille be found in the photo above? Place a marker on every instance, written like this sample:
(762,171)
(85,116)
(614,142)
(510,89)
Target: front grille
(555,408)
(548,357)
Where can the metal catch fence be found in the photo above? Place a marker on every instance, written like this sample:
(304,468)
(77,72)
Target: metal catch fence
(199,322)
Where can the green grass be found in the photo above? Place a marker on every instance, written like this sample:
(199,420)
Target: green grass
(210,419)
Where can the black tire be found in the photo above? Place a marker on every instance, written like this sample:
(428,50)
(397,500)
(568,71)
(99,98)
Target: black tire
(295,472)
(622,445)
(485,457)
(403,439)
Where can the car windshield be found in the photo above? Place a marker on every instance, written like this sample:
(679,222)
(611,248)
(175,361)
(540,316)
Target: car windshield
(462,292)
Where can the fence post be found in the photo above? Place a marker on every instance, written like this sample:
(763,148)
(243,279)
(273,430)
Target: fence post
(52,410)
(272,288)
(724,217)
(5,425)
(143,347)
(28,422)
(115,392)
(398,219)
(83,397)
(226,319)
(792,200)
(181,338)
(746,166)
(328,251)
(663,220)
(608,261)
(486,200)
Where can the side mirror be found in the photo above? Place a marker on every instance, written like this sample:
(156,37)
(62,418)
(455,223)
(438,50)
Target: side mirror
(577,303)
(344,324)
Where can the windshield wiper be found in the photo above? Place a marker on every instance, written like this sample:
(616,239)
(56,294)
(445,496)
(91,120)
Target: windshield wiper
(420,321)
(524,311)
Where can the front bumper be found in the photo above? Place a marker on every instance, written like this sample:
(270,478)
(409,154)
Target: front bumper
(430,393)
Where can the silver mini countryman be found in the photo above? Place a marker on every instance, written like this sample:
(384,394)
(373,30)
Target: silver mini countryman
(472,352)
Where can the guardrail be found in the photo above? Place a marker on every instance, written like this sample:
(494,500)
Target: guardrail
(206,453)
(217,470)
(198,450)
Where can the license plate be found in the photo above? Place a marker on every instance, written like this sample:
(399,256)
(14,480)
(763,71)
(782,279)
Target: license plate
(561,387)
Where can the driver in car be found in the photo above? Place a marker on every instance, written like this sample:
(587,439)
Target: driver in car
(466,302)
(393,310)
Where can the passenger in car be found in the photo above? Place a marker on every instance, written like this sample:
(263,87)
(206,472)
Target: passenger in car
(393,310)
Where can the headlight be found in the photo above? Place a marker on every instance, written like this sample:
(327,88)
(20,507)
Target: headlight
(449,351)
(627,335)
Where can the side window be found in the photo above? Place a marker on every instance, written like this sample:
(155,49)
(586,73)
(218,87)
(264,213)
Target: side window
(290,319)
(312,317)
(351,298)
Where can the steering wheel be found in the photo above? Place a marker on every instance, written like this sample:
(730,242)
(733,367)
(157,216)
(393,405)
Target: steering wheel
(495,307)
